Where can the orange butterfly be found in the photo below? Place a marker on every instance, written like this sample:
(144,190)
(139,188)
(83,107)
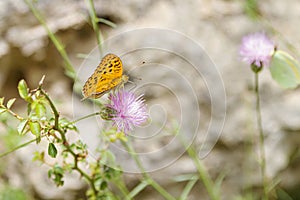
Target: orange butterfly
(107,76)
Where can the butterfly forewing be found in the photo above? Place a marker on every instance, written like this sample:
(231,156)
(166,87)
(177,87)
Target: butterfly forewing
(107,76)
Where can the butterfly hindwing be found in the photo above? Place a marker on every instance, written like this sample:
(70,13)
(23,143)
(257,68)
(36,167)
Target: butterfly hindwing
(106,76)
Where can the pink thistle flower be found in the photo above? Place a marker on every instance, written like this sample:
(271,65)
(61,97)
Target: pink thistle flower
(130,111)
(257,49)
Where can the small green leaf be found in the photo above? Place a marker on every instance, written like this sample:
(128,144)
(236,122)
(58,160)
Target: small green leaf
(1,100)
(35,128)
(23,89)
(52,151)
(57,175)
(10,103)
(285,70)
(103,185)
(38,156)
(21,127)
(33,117)
(40,110)
(28,109)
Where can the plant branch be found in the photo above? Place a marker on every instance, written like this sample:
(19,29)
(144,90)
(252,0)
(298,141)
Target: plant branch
(208,183)
(59,46)
(146,176)
(18,147)
(53,108)
(94,20)
(261,137)
(65,142)
(14,114)
(203,174)
(84,117)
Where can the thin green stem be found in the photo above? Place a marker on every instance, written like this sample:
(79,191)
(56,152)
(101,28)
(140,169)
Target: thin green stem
(122,187)
(95,20)
(146,176)
(65,142)
(14,114)
(55,112)
(203,174)
(59,46)
(188,188)
(82,118)
(261,138)
(33,140)
(208,183)
(18,147)
(107,22)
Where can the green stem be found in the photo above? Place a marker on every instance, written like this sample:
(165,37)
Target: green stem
(84,117)
(95,20)
(68,66)
(203,174)
(65,142)
(261,138)
(55,112)
(33,140)
(208,183)
(122,187)
(146,176)
(18,147)
(107,22)
(15,115)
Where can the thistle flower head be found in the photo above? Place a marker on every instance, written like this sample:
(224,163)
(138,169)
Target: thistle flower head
(257,49)
(130,111)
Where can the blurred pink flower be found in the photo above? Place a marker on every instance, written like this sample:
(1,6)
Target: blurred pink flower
(257,49)
(130,111)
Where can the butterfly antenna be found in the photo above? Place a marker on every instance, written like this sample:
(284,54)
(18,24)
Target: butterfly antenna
(134,85)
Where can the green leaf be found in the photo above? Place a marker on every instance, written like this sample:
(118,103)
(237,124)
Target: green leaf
(21,127)
(38,156)
(52,151)
(10,103)
(35,128)
(1,100)
(23,89)
(103,185)
(283,194)
(29,108)
(56,174)
(40,110)
(285,70)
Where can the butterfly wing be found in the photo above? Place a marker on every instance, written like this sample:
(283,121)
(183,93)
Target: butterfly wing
(107,75)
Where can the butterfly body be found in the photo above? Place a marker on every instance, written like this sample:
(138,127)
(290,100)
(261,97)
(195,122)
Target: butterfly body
(107,76)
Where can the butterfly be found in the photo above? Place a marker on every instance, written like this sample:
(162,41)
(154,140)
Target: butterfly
(107,76)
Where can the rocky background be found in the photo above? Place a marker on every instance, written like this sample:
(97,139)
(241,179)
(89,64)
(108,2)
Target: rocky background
(218,26)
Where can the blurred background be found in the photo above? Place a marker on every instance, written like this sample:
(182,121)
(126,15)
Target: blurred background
(217,26)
